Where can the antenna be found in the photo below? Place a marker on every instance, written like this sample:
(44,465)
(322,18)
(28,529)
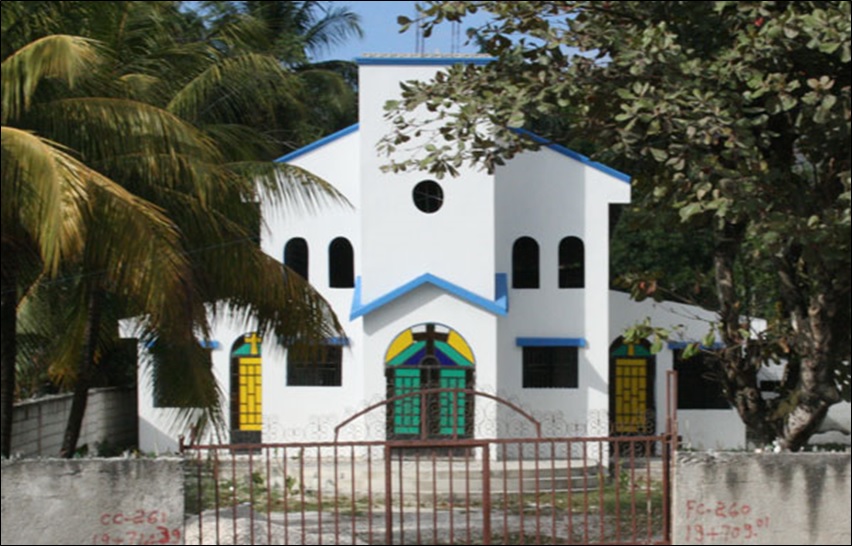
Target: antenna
(419,40)
(455,39)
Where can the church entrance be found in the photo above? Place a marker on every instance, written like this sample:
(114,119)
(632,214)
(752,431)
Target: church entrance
(429,356)
(632,407)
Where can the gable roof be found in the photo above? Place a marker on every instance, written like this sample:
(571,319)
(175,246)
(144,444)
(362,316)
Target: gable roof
(562,150)
(423,59)
(558,148)
(498,306)
(318,144)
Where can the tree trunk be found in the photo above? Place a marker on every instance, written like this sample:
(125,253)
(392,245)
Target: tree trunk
(817,389)
(738,365)
(84,376)
(9,316)
(811,407)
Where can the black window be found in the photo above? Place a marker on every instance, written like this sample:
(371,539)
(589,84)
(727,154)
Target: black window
(341,266)
(525,263)
(572,269)
(428,196)
(171,364)
(698,382)
(550,368)
(322,368)
(296,256)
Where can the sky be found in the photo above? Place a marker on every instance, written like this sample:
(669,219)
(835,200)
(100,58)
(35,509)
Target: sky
(381,32)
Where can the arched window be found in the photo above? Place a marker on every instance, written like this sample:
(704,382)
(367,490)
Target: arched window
(296,256)
(572,266)
(341,264)
(525,263)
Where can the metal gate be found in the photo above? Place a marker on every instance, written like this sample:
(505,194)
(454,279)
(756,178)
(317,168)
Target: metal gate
(530,490)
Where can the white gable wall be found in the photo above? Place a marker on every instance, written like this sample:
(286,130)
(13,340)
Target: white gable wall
(399,241)
(548,196)
(300,412)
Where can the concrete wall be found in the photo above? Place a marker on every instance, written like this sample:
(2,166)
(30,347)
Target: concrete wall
(92,501)
(743,498)
(38,425)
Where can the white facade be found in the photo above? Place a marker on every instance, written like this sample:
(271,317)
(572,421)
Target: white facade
(452,268)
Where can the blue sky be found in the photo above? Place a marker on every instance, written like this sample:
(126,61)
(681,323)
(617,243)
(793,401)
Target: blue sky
(381,32)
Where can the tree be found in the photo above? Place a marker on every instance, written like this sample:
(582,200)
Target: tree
(50,201)
(736,114)
(294,33)
(159,117)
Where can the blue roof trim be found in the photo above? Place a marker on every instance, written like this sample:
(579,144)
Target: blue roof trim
(551,342)
(675,345)
(318,144)
(211,344)
(572,154)
(337,341)
(499,306)
(501,289)
(422,61)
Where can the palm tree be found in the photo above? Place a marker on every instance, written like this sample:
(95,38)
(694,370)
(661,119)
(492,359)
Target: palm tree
(294,33)
(157,127)
(50,199)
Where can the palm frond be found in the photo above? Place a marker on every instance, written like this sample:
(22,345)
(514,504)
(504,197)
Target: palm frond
(105,128)
(43,191)
(139,86)
(288,187)
(63,57)
(182,379)
(126,125)
(139,253)
(335,26)
(226,90)
(277,302)
(239,142)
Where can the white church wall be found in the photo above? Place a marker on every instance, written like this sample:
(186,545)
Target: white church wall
(310,413)
(400,242)
(548,196)
(704,428)
(320,226)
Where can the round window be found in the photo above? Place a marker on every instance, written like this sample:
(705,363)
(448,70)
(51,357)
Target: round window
(428,196)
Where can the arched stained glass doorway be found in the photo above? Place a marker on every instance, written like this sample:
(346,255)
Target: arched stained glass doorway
(429,356)
(631,389)
(246,390)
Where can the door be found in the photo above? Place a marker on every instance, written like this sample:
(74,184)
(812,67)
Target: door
(632,404)
(246,390)
(424,357)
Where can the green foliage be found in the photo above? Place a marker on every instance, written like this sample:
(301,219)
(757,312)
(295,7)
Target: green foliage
(130,150)
(734,120)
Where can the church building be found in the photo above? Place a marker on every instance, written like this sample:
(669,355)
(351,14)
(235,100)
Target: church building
(493,282)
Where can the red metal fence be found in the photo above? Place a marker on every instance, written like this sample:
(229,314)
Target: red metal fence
(430,491)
